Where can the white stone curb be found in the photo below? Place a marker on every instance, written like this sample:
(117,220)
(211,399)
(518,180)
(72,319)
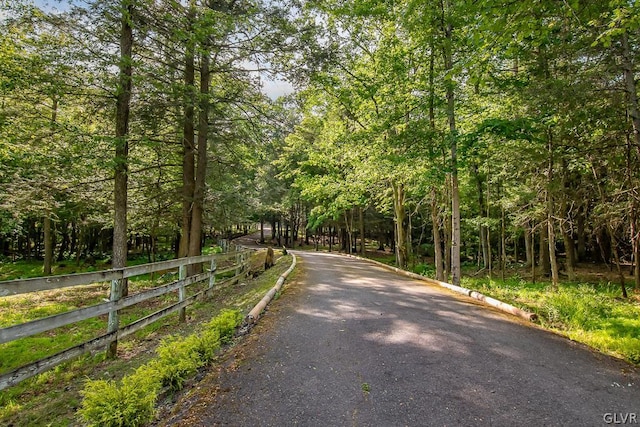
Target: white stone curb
(502,306)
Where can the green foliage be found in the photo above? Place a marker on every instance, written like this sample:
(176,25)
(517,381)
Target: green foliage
(225,323)
(127,404)
(582,307)
(592,314)
(179,358)
(205,344)
(177,361)
(424,269)
(131,401)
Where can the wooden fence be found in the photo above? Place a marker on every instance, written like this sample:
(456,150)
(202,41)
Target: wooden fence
(112,307)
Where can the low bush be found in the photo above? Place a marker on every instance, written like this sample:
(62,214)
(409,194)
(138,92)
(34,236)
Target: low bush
(424,269)
(580,307)
(593,314)
(177,360)
(225,323)
(128,404)
(131,402)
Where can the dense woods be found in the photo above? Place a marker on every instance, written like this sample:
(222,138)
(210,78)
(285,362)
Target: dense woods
(132,124)
(492,132)
(454,132)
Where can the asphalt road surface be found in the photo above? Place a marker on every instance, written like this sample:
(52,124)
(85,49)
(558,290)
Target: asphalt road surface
(352,344)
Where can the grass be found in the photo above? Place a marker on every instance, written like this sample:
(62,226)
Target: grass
(591,313)
(52,398)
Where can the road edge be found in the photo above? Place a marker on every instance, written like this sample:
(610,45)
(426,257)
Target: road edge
(255,313)
(500,305)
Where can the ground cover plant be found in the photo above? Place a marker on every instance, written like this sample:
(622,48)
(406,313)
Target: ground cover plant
(54,397)
(131,401)
(591,313)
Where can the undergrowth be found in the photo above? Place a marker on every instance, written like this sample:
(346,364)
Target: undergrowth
(52,398)
(131,401)
(593,314)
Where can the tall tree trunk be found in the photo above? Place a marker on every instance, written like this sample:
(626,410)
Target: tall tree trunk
(197,212)
(550,209)
(528,244)
(188,142)
(48,236)
(447,243)
(551,239)
(279,239)
(503,245)
(455,195)
(483,213)
(409,236)
(362,242)
(565,227)
(435,214)
(616,258)
(274,230)
(123,101)
(569,244)
(437,243)
(64,245)
(635,238)
(533,252)
(400,215)
(48,244)
(543,244)
(581,249)
(630,86)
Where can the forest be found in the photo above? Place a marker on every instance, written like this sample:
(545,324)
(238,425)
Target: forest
(458,133)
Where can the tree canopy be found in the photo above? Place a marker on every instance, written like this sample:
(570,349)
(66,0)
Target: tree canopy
(453,131)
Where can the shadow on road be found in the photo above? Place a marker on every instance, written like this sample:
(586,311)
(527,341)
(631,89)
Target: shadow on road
(359,345)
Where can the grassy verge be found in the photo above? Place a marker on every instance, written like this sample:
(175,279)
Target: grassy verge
(53,398)
(589,313)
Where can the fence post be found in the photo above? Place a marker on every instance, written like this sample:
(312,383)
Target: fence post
(212,270)
(181,292)
(114,319)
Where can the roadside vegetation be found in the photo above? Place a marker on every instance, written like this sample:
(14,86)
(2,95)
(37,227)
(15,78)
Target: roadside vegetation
(589,310)
(590,313)
(53,398)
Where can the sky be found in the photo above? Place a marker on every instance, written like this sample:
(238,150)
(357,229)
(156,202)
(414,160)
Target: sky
(273,88)
(276,88)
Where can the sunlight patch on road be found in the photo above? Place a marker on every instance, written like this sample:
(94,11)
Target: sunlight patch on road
(407,333)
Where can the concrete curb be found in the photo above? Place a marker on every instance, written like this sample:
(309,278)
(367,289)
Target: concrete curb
(254,314)
(502,306)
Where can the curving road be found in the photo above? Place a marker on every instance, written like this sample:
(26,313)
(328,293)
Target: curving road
(351,344)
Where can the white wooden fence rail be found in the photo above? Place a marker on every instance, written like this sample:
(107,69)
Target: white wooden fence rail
(21,286)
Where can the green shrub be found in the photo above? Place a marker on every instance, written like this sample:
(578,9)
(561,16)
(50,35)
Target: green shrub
(129,404)
(205,345)
(424,269)
(225,323)
(177,361)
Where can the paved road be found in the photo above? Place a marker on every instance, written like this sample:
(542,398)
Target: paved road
(351,344)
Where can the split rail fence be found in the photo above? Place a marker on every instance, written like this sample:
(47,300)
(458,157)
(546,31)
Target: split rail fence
(114,330)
